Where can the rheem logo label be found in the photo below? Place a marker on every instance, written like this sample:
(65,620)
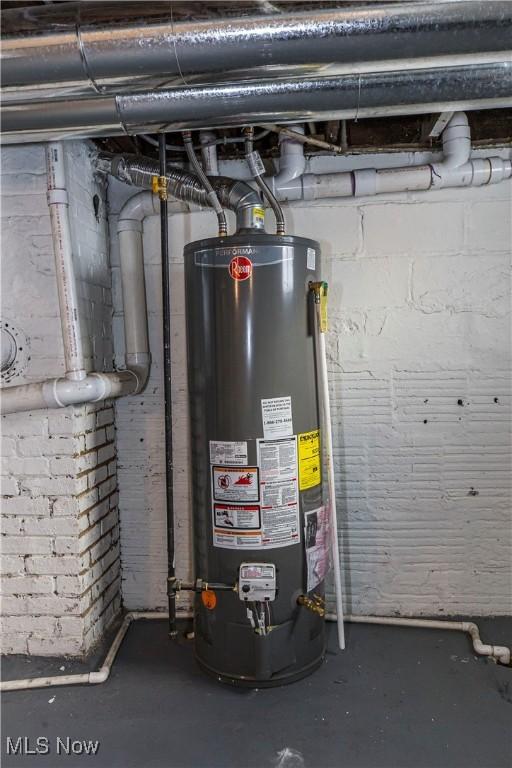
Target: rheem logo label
(240,268)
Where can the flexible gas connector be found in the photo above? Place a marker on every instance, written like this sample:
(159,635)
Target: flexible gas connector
(210,193)
(258,169)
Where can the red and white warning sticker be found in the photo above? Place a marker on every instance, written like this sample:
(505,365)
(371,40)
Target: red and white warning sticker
(236,516)
(236,526)
(238,484)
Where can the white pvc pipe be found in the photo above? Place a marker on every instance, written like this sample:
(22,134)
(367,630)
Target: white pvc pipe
(97,386)
(133,284)
(455,170)
(57,198)
(456,141)
(327,433)
(500,653)
(292,162)
(87,678)
(61,392)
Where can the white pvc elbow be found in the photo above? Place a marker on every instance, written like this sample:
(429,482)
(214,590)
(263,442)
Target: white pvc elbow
(292,164)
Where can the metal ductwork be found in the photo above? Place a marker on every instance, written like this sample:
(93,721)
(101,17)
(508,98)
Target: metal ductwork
(81,69)
(284,101)
(85,49)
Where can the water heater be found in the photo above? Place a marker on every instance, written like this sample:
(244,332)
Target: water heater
(260,523)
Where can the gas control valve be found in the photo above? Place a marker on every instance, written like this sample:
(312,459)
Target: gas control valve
(257,582)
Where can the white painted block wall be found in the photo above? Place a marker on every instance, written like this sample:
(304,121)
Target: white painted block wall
(420,365)
(60,533)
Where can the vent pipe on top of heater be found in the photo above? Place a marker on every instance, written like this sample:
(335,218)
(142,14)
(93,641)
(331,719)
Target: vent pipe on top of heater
(257,168)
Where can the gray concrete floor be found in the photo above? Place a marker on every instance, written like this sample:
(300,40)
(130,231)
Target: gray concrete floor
(395,697)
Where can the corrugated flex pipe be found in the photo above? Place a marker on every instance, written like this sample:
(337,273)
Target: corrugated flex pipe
(235,195)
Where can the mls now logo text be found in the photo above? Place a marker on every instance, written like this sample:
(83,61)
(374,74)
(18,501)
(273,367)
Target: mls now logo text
(42,745)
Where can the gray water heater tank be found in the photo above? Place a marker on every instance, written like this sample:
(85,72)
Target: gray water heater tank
(260,527)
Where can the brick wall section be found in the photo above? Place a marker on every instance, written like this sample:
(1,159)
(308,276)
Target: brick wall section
(60,529)
(419,364)
(60,545)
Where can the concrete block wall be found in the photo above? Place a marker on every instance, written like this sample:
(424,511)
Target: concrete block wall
(419,363)
(60,531)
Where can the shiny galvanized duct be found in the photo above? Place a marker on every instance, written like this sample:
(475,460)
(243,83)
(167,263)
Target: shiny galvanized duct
(300,99)
(66,50)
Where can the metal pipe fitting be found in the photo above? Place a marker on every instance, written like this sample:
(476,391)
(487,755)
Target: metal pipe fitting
(258,170)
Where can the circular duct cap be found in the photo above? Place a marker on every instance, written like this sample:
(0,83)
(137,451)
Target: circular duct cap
(14,351)
(8,349)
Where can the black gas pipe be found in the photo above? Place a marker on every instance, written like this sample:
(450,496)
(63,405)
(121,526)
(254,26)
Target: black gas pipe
(166,312)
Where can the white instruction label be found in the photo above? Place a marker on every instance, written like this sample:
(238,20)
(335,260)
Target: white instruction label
(224,539)
(279,492)
(277,459)
(235,483)
(311,259)
(228,453)
(276,414)
(317,541)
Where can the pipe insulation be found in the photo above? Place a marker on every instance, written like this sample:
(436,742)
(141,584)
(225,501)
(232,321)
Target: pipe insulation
(270,101)
(70,48)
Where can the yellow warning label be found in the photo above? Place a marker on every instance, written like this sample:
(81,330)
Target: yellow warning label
(258,215)
(310,473)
